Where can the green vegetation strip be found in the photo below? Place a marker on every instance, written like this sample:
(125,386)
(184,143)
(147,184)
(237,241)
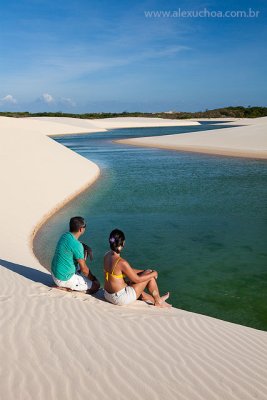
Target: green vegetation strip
(228,112)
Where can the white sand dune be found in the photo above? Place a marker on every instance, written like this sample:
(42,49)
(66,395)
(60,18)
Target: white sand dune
(245,141)
(54,345)
(95,125)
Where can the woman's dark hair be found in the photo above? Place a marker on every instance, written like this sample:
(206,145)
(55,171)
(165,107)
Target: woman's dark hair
(116,239)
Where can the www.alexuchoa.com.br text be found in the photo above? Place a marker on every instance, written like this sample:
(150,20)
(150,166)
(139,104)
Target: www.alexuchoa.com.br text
(204,13)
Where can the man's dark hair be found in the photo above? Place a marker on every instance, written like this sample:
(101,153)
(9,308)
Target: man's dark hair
(76,223)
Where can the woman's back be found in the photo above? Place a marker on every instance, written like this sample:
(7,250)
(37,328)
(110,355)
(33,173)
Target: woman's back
(116,290)
(113,276)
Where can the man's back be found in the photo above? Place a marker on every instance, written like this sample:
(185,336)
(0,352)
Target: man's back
(68,250)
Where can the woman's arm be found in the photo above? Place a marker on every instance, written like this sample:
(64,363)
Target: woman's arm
(134,276)
(139,272)
(142,271)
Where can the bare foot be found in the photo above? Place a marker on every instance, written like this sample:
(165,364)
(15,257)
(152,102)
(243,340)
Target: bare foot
(163,305)
(162,301)
(164,297)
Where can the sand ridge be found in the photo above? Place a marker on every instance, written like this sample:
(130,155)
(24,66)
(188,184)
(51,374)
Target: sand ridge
(55,345)
(104,124)
(245,141)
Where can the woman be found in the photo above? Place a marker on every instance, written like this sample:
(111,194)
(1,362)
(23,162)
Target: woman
(116,269)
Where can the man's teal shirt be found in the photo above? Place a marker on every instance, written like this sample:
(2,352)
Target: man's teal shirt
(68,251)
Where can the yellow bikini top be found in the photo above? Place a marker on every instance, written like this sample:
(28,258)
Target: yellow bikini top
(121,276)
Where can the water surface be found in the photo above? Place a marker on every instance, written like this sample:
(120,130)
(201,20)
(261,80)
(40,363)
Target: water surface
(200,220)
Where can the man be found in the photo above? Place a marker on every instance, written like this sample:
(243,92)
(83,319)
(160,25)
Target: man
(69,269)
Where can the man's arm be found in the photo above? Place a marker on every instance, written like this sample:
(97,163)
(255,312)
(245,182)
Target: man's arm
(85,270)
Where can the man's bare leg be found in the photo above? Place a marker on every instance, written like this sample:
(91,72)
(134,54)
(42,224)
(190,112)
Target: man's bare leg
(95,287)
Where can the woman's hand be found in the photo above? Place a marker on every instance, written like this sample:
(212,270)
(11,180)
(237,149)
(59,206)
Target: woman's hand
(150,271)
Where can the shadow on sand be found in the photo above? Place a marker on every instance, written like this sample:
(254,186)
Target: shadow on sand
(29,273)
(40,277)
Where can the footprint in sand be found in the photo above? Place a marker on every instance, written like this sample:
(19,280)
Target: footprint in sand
(48,291)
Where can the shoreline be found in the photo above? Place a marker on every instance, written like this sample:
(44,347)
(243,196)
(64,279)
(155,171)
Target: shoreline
(58,207)
(199,150)
(249,141)
(62,336)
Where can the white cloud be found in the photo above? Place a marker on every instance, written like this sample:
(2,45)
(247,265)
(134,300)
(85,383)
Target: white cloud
(47,102)
(47,98)
(9,99)
(67,102)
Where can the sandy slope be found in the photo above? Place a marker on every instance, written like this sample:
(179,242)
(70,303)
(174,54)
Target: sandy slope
(54,345)
(94,125)
(245,141)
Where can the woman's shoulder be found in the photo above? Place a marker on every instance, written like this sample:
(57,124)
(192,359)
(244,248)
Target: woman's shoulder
(123,262)
(107,254)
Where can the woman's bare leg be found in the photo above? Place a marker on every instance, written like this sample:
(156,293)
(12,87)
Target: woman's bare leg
(139,288)
(147,297)
(154,293)
(153,289)
(144,295)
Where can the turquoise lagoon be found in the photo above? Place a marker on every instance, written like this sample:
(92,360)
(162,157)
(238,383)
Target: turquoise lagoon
(200,220)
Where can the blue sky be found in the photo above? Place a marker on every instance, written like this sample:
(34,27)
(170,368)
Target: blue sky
(100,55)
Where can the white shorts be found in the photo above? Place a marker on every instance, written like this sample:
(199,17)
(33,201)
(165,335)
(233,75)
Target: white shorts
(124,296)
(76,282)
